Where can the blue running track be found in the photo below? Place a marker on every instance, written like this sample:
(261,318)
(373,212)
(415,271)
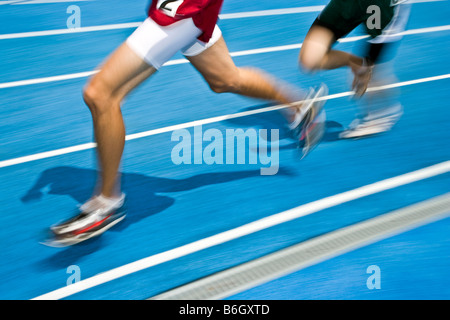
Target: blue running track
(173,205)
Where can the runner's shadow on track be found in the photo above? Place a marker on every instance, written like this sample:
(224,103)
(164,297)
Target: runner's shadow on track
(275,120)
(144,198)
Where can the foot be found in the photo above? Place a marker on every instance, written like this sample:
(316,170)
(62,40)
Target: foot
(309,128)
(364,127)
(95,217)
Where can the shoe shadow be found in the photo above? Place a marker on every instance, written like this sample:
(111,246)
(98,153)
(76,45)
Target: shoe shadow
(264,120)
(332,131)
(275,120)
(143,198)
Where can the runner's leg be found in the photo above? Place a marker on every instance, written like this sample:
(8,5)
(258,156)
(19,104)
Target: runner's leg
(104,93)
(316,52)
(138,58)
(218,69)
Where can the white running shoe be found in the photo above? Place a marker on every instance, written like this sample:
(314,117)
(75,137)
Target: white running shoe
(366,127)
(95,217)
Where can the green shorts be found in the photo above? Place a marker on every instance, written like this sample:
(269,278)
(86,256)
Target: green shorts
(343,16)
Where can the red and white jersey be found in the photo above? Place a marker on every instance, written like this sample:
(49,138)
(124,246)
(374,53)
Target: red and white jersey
(204,13)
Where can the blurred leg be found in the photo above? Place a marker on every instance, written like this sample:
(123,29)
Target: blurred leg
(122,72)
(218,69)
(316,52)
(381,103)
(146,50)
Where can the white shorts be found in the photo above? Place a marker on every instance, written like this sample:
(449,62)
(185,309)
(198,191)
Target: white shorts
(156,44)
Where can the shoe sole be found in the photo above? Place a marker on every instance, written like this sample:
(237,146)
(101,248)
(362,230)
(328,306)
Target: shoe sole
(58,243)
(382,126)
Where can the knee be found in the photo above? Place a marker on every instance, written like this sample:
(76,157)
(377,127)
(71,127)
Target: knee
(89,96)
(97,97)
(308,62)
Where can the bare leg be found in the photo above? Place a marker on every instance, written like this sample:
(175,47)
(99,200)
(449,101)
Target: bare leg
(217,67)
(316,53)
(122,72)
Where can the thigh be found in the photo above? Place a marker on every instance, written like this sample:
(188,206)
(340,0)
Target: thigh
(318,40)
(156,44)
(335,21)
(122,71)
(214,63)
(146,50)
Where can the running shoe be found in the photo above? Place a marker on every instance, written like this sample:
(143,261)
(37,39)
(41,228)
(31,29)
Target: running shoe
(363,127)
(94,219)
(310,129)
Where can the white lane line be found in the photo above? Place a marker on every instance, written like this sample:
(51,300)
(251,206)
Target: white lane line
(272,12)
(85,74)
(10,2)
(231,15)
(129,25)
(233,54)
(91,145)
(27,82)
(252,227)
(297,257)
(48,1)
(69,31)
(225,16)
(17,2)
